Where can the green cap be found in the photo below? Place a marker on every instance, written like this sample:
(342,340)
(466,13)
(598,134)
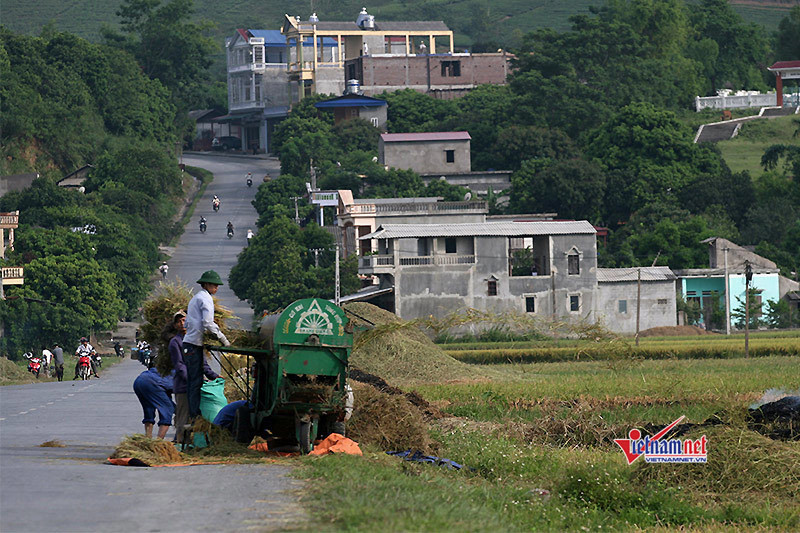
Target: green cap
(209,276)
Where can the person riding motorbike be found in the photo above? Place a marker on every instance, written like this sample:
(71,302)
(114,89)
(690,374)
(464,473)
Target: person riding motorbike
(203,224)
(215,203)
(230,229)
(85,350)
(249,179)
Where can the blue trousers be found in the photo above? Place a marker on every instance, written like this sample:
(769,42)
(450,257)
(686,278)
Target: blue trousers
(193,358)
(154,398)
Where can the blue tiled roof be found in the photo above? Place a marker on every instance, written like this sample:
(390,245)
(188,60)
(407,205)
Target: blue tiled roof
(275,39)
(350,100)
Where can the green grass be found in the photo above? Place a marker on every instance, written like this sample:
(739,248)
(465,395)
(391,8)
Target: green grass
(590,485)
(744,152)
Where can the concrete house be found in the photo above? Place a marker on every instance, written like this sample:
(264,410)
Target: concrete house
(618,292)
(359,217)
(440,155)
(544,267)
(707,285)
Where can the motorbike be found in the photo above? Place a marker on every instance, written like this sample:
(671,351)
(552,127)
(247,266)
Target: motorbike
(202,226)
(215,205)
(230,233)
(145,356)
(249,182)
(35,366)
(84,367)
(119,350)
(97,359)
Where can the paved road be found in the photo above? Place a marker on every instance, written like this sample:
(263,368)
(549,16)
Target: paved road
(197,252)
(71,489)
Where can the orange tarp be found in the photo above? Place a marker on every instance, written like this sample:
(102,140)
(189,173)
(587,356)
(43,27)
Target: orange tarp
(335,443)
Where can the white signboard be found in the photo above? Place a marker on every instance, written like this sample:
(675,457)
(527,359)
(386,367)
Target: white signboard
(325,198)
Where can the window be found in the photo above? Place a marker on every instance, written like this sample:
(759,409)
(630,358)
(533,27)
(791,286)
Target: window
(450,245)
(662,301)
(757,305)
(374,121)
(574,303)
(530,304)
(491,288)
(451,69)
(258,54)
(450,156)
(622,305)
(573,264)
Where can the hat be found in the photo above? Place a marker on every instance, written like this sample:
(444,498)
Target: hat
(179,314)
(209,276)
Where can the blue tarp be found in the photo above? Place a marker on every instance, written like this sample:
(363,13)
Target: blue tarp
(419,457)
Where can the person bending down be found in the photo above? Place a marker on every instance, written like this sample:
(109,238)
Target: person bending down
(154,393)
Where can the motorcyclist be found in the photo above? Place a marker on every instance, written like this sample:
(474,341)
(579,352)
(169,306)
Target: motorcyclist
(85,349)
(203,222)
(215,202)
(164,268)
(230,227)
(249,179)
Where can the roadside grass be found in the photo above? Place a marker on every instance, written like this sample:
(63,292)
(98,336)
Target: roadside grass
(16,372)
(205,178)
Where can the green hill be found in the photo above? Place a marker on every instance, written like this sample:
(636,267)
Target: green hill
(499,22)
(744,151)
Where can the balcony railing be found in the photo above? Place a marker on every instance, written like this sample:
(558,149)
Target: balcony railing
(411,207)
(378,261)
(13,275)
(9,220)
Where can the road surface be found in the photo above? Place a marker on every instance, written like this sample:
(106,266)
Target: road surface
(71,489)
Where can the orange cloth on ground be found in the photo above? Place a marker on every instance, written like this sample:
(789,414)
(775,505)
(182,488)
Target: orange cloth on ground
(260,447)
(335,443)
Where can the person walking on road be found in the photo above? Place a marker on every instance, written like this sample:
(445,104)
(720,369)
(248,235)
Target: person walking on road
(180,379)
(154,393)
(58,361)
(199,319)
(164,268)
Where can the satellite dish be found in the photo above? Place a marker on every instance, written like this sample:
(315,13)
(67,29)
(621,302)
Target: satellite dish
(468,197)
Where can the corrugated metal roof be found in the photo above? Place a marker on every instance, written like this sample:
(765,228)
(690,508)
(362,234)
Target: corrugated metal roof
(659,273)
(785,64)
(482,229)
(411,25)
(427,136)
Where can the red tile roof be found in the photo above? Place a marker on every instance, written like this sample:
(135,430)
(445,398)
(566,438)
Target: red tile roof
(785,64)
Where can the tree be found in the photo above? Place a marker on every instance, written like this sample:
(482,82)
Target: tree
(573,188)
(787,41)
(356,134)
(779,315)
(516,144)
(649,156)
(167,44)
(411,111)
(739,313)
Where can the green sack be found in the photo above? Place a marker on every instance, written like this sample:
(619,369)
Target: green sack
(212,398)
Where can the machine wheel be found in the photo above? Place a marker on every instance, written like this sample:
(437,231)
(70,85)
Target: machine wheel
(242,426)
(304,437)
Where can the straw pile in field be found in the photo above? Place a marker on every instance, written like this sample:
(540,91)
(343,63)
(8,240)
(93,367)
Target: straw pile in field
(398,351)
(742,465)
(675,331)
(150,451)
(388,421)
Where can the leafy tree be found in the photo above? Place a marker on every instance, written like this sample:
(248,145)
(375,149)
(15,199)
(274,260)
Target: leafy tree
(448,192)
(649,156)
(516,144)
(357,134)
(787,40)
(573,188)
(789,153)
(279,192)
(167,44)
(732,192)
(738,315)
(411,111)
(779,315)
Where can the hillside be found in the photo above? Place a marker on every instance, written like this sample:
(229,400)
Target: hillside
(745,150)
(499,22)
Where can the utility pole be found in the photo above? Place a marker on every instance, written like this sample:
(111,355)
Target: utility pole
(727,296)
(748,275)
(296,212)
(638,301)
(316,252)
(337,298)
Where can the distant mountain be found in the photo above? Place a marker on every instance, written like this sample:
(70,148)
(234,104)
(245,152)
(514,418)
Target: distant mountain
(481,23)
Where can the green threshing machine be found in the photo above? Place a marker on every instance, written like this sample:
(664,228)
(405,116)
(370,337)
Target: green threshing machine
(299,388)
